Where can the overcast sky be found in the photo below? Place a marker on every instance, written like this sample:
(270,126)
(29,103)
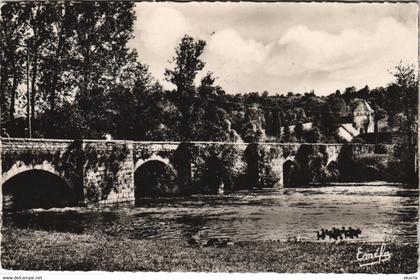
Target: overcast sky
(281,47)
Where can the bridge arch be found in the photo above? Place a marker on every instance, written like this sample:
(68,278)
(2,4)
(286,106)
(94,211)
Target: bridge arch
(154,177)
(37,188)
(20,167)
(165,161)
(290,169)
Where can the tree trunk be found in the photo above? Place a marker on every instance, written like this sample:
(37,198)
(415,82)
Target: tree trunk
(33,83)
(52,97)
(86,62)
(3,79)
(3,105)
(13,95)
(57,61)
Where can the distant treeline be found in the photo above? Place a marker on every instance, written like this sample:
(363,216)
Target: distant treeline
(71,63)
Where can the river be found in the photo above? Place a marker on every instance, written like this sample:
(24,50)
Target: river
(383,212)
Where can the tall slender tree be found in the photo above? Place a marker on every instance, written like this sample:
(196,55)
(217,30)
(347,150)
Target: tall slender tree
(12,55)
(102,30)
(187,64)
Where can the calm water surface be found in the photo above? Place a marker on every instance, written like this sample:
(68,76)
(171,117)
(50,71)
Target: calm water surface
(382,211)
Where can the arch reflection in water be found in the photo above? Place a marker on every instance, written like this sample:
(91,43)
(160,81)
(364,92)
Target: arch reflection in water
(37,189)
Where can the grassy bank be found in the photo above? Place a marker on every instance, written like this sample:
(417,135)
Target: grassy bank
(40,250)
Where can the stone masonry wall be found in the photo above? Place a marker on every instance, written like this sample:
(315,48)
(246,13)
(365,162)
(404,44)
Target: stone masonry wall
(60,157)
(108,172)
(102,172)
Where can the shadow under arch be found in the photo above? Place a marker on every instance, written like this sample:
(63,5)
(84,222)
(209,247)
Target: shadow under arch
(252,159)
(37,188)
(155,178)
(290,173)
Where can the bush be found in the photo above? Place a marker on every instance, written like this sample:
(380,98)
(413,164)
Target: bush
(383,149)
(371,167)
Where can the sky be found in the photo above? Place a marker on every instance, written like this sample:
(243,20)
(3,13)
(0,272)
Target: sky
(282,47)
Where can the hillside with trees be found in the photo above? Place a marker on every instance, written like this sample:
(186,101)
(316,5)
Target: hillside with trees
(67,67)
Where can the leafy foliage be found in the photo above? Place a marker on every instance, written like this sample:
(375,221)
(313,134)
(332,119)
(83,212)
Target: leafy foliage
(111,161)
(85,82)
(187,64)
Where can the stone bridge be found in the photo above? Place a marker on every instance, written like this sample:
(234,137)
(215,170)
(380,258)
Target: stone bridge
(108,172)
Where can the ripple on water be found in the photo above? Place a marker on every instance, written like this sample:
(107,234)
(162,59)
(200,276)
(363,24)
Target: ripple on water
(381,210)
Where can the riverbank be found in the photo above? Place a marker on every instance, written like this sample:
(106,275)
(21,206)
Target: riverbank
(41,250)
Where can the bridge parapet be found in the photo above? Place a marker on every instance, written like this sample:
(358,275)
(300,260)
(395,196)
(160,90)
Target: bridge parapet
(102,171)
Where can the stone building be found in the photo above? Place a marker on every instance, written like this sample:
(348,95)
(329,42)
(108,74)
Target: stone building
(360,121)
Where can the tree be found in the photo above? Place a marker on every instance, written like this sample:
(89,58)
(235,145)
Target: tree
(338,107)
(210,119)
(287,135)
(102,30)
(379,115)
(252,126)
(313,135)
(300,115)
(187,64)
(327,120)
(58,61)
(37,18)
(299,131)
(406,82)
(70,49)
(65,122)
(142,113)
(13,56)
(363,93)
(405,148)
